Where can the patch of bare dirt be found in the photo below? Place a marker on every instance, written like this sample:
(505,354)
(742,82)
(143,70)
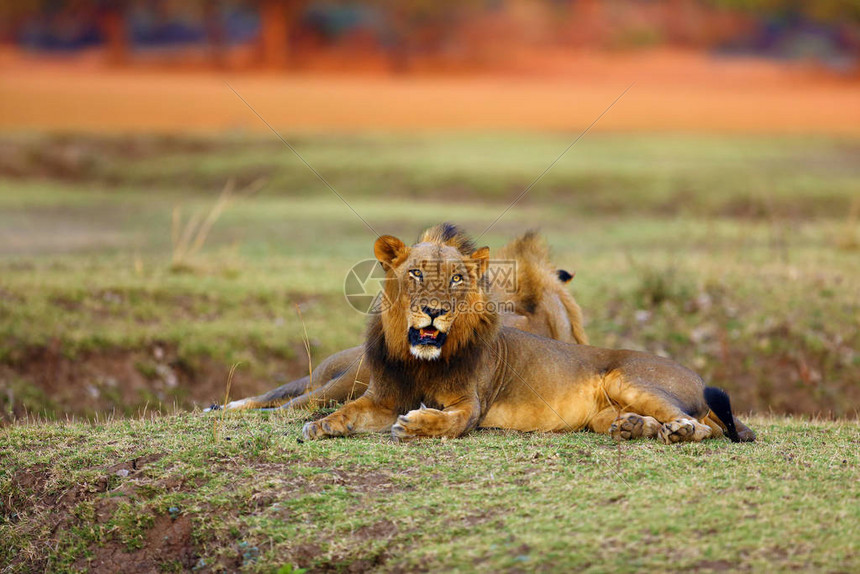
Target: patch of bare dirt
(30,485)
(714,566)
(168,544)
(351,563)
(306,553)
(135,464)
(168,541)
(26,484)
(382,529)
(123,381)
(362,481)
(778,367)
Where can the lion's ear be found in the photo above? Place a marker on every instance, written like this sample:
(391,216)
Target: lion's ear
(482,258)
(388,248)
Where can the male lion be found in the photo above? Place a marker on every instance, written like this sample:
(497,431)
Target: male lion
(541,305)
(441,364)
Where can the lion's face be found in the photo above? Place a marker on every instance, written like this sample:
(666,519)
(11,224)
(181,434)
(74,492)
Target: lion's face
(435,295)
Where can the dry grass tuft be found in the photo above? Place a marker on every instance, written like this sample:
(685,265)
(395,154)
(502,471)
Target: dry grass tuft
(189,237)
(849,239)
(306,341)
(223,409)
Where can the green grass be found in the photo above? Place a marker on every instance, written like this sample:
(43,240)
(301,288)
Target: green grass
(735,256)
(725,253)
(715,175)
(241,492)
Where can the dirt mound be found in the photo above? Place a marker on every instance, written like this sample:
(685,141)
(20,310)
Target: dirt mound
(44,382)
(169,541)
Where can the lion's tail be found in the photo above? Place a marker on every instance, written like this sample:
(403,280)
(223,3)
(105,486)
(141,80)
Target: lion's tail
(575,314)
(719,403)
(537,276)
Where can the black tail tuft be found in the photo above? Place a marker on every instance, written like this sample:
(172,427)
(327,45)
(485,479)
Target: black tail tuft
(718,401)
(564,276)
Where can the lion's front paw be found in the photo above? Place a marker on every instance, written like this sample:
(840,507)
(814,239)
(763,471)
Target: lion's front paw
(415,424)
(325,428)
(630,426)
(681,430)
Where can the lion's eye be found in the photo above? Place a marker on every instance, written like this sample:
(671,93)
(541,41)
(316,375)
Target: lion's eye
(456,279)
(415,273)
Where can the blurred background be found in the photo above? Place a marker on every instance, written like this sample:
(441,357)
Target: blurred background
(402,37)
(154,230)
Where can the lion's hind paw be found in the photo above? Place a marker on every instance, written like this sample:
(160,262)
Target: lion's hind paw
(680,430)
(631,426)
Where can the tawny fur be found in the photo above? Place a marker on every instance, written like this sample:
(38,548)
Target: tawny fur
(489,375)
(543,306)
(540,294)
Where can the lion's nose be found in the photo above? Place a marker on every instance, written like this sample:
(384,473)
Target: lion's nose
(433,313)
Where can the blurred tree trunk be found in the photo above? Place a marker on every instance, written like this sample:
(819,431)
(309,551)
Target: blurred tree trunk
(115,30)
(277,19)
(216,35)
(397,45)
(587,23)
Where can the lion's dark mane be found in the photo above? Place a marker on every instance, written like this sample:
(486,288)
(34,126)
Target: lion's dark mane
(448,234)
(410,381)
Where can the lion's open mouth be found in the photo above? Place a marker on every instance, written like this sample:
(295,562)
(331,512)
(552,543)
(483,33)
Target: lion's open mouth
(426,336)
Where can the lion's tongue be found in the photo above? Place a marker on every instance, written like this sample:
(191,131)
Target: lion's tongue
(428,333)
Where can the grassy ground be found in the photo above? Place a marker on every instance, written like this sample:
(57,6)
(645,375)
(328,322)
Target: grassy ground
(735,255)
(194,490)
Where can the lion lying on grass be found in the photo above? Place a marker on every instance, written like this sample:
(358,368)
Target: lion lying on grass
(540,304)
(441,364)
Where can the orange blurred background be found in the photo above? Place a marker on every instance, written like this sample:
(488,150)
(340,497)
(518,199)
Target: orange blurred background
(696,65)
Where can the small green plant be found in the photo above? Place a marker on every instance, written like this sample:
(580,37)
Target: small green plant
(659,285)
(131,523)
